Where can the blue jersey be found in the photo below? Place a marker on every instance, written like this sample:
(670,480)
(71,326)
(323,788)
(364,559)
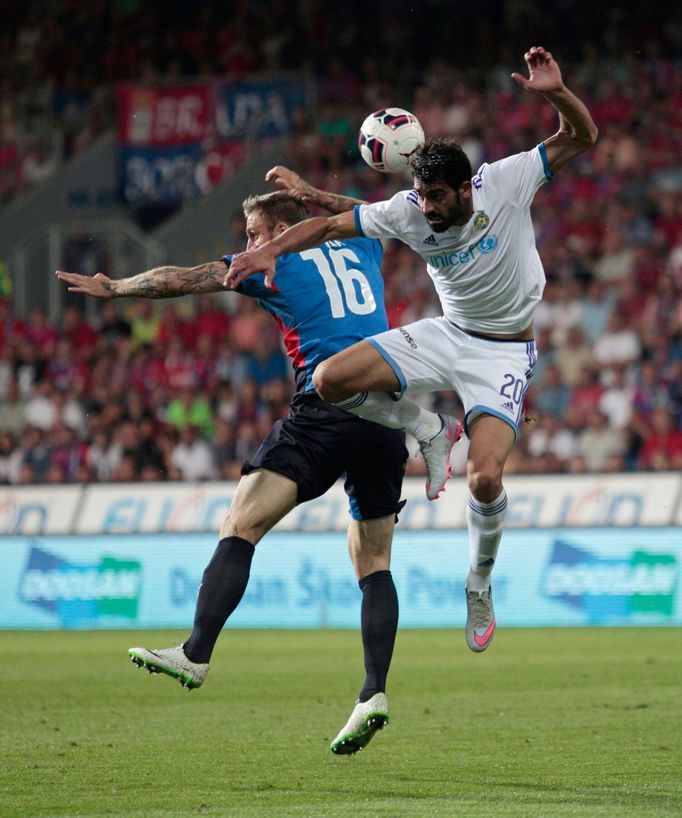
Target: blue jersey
(324,300)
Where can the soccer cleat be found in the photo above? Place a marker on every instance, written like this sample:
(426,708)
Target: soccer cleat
(436,454)
(172,662)
(366,718)
(480,625)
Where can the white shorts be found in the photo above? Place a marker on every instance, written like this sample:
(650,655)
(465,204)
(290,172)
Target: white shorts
(490,376)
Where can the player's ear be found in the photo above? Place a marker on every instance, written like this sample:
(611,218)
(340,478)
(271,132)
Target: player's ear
(280,227)
(465,190)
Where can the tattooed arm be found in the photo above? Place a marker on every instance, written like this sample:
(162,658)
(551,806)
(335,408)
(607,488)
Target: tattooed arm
(286,179)
(160,282)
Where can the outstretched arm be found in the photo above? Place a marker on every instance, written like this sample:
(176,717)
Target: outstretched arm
(301,236)
(286,179)
(160,282)
(577,131)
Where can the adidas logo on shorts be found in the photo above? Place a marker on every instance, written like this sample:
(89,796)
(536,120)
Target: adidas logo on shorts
(509,406)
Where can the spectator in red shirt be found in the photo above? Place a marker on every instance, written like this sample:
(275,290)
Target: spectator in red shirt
(77,330)
(40,331)
(211,320)
(662,447)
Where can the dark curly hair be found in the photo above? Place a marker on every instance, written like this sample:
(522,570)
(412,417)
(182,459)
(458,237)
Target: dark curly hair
(441,160)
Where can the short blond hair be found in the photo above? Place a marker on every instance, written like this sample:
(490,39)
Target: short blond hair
(277,207)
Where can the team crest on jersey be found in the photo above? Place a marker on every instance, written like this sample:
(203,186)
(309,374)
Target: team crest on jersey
(481,220)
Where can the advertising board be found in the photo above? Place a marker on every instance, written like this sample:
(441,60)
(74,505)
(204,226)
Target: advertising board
(547,577)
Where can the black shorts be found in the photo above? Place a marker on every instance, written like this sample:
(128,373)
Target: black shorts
(317,443)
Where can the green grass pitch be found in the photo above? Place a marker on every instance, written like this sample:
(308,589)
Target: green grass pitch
(545,724)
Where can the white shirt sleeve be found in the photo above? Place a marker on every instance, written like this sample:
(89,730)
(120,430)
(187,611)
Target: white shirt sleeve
(516,178)
(383,220)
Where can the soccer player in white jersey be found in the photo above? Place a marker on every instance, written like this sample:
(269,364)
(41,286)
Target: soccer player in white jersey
(477,239)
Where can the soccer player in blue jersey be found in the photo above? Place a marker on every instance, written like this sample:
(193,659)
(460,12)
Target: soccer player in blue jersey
(476,236)
(326,299)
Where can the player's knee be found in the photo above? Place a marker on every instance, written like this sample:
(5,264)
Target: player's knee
(485,483)
(239,524)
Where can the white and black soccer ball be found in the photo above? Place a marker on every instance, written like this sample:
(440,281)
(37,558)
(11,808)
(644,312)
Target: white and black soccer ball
(388,138)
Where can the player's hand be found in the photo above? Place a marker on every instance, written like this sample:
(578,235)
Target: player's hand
(543,72)
(286,179)
(243,265)
(98,286)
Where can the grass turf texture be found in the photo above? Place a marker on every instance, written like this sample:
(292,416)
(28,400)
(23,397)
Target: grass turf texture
(547,723)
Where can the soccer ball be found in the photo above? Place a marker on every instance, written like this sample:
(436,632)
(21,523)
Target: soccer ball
(388,138)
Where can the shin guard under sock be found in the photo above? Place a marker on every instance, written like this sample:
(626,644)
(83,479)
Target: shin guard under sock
(379,622)
(222,587)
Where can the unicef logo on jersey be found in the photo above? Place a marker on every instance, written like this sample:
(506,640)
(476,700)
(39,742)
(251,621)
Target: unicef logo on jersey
(488,244)
(484,247)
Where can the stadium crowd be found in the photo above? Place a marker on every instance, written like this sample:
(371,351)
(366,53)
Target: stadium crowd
(187,389)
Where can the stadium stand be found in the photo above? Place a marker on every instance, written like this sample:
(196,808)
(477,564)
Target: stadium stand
(136,394)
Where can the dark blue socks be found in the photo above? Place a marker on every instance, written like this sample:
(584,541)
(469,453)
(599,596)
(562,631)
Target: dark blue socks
(221,590)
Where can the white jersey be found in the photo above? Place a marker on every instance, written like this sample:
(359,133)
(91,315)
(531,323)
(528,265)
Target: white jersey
(487,273)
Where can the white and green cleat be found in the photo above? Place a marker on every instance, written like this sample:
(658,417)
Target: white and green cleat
(366,718)
(172,662)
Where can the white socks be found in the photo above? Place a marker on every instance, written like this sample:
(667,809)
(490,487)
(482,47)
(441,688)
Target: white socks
(485,522)
(396,414)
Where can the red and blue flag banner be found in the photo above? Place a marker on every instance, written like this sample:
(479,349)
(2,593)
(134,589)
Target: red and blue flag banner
(179,141)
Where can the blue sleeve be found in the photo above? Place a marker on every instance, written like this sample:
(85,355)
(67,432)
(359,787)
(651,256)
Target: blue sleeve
(545,162)
(358,225)
(253,285)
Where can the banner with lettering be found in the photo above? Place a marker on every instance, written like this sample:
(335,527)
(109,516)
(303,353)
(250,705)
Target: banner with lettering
(178,142)
(558,577)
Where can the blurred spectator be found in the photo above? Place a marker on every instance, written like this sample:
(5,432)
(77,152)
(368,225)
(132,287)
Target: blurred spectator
(574,356)
(596,307)
(616,258)
(12,409)
(662,447)
(149,457)
(599,442)
(144,324)
(76,330)
(616,400)
(112,323)
(192,456)
(100,457)
(40,332)
(190,409)
(550,438)
(618,344)
(174,328)
(125,470)
(554,395)
(41,407)
(265,361)
(63,369)
(35,455)
(587,392)
(10,459)
(39,162)
(651,392)
(210,320)
(224,446)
